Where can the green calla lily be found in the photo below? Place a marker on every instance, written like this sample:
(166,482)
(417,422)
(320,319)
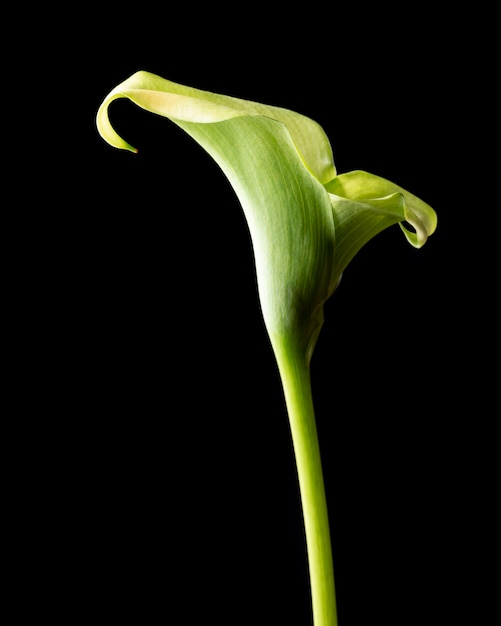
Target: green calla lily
(306,223)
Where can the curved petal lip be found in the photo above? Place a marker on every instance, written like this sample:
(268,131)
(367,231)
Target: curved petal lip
(187,104)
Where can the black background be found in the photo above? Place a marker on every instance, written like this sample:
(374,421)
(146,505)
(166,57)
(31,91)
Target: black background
(161,485)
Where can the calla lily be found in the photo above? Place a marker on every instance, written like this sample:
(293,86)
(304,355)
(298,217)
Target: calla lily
(306,223)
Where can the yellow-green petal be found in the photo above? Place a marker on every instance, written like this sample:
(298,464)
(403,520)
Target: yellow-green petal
(305,221)
(365,187)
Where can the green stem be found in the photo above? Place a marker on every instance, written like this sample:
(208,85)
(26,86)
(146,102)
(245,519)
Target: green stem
(296,381)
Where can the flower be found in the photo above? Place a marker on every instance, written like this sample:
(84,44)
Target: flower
(306,221)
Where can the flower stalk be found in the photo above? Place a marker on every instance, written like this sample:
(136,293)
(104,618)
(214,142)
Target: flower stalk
(295,375)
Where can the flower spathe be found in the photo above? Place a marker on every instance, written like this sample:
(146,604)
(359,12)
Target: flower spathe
(306,221)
